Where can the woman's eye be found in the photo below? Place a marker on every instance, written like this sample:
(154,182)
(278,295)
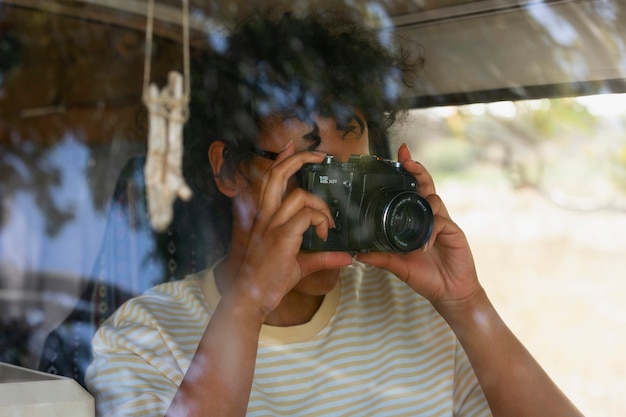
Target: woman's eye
(314,137)
(352,126)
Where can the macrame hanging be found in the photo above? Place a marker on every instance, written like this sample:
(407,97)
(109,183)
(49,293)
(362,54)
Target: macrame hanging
(168,111)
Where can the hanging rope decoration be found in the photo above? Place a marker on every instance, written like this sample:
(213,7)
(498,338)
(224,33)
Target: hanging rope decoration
(167,113)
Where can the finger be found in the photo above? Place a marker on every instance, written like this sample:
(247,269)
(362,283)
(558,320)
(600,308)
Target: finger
(447,233)
(437,205)
(316,261)
(386,260)
(425,183)
(286,239)
(277,177)
(302,220)
(287,151)
(404,154)
(441,216)
(296,201)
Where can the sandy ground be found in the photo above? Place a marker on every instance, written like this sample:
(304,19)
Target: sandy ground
(558,278)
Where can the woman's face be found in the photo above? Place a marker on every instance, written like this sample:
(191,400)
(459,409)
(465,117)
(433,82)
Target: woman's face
(325,134)
(340,138)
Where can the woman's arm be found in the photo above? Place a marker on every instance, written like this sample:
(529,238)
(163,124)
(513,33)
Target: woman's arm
(262,269)
(219,378)
(513,382)
(444,273)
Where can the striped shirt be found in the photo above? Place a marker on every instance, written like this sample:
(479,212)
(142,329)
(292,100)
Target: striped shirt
(374,348)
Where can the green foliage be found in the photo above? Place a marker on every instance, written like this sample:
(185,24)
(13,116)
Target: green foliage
(558,144)
(560,116)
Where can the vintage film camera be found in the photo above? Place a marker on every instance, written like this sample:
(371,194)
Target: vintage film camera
(374,203)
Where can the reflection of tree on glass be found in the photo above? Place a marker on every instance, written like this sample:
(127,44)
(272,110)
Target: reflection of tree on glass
(81,80)
(70,118)
(568,149)
(374,334)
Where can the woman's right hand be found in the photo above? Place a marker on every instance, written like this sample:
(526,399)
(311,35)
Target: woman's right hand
(272,263)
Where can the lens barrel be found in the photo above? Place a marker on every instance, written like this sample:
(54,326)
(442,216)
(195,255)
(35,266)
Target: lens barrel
(400,221)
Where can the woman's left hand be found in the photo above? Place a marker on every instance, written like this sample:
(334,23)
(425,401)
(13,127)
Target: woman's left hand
(443,270)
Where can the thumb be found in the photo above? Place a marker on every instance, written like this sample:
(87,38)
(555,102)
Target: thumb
(316,261)
(404,154)
(386,260)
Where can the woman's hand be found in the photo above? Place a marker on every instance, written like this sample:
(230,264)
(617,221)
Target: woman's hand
(272,263)
(443,270)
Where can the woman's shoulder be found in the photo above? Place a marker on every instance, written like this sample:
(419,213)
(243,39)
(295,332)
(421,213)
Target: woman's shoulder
(181,298)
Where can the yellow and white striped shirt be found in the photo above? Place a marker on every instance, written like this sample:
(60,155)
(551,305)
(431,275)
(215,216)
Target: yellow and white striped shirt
(374,348)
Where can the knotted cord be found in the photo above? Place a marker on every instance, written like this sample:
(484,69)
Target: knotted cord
(168,111)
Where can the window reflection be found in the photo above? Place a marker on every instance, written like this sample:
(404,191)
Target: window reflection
(69,122)
(569,150)
(72,140)
(539,188)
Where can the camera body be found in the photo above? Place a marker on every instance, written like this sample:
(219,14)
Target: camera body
(374,203)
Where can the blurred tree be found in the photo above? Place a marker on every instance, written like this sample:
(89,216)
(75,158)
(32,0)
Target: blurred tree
(61,78)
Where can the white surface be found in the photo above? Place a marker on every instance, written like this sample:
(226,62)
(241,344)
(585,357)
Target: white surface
(28,393)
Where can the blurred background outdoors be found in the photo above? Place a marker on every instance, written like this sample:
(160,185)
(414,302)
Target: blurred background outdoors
(539,187)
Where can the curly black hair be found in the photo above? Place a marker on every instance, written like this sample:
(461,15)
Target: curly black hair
(319,64)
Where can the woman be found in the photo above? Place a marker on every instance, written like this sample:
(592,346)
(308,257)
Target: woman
(274,330)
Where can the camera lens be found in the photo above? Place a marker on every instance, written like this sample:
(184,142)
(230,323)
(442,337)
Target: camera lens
(401,221)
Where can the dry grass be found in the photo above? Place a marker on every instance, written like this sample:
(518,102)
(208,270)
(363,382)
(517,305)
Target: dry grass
(558,278)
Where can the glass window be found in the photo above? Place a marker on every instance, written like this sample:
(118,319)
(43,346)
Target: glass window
(539,188)
(519,114)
